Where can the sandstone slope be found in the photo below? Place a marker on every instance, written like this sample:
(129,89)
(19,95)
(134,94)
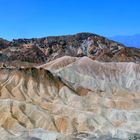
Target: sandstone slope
(77,98)
(112,92)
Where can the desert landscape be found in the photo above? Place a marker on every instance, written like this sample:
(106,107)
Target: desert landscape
(73,87)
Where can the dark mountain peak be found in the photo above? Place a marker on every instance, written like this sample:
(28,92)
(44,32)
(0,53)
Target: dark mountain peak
(41,50)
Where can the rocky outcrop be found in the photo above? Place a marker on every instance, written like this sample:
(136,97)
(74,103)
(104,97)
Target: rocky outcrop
(46,49)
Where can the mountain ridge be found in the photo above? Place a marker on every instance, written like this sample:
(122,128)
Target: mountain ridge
(130,41)
(43,50)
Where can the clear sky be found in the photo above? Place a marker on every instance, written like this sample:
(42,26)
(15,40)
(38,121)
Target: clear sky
(38,18)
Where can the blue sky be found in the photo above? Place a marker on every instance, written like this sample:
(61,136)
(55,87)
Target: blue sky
(38,18)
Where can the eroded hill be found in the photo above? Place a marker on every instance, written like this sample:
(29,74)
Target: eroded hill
(43,50)
(79,98)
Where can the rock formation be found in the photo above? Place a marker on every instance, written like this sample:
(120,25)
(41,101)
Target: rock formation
(42,50)
(75,97)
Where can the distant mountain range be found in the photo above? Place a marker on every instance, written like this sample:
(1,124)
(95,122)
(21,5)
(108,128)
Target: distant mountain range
(130,41)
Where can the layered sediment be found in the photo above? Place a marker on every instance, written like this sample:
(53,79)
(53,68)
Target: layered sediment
(70,98)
